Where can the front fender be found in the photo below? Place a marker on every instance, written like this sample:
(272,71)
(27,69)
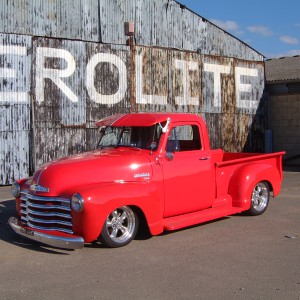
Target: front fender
(246,177)
(101,199)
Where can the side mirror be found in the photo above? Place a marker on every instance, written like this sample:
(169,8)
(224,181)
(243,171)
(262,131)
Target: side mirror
(153,146)
(169,156)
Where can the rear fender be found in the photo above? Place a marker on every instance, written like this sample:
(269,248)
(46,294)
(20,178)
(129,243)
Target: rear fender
(246,177)
(101,199)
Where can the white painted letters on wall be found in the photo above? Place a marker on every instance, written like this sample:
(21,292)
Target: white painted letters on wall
(142,98)
(245,88)
(15,96)
(217,70)
(53,74)
(185,67)
(122,84)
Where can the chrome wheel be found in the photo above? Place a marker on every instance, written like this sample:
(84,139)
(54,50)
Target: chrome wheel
(260,198)
(120,227)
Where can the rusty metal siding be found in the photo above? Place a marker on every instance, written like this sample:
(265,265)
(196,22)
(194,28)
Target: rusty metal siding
(67,19)
(64,64)
(112,15)
(58,82)
(15,107)
(226,92)
(185,86)
(75,84)
(163,23)
(221,43)
(111,79)
(151,79)
(158,23)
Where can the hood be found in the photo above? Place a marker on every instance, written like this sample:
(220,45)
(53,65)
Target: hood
(98,166)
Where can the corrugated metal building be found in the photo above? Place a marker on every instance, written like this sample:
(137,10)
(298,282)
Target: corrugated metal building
(64,64)
(283,90)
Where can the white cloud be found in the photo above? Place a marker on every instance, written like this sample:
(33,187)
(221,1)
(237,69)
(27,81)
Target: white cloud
(230,26)
(260,29)
(283,54)
(293,52)
(289,40)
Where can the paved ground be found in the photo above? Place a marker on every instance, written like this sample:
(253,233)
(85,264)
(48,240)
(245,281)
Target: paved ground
(234,258)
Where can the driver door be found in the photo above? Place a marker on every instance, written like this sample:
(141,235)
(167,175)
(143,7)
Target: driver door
(188,173)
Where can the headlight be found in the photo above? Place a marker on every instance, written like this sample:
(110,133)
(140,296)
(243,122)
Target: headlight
(15,189)
(77,202)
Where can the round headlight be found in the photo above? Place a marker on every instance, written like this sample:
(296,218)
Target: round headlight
(77,202)
(15,189)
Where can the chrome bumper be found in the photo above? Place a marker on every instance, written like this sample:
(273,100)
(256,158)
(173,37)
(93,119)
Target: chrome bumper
(64,242)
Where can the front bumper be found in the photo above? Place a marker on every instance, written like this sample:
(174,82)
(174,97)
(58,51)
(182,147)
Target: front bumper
(65,241)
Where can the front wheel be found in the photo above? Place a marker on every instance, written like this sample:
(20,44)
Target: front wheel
(259,199)
(120,227)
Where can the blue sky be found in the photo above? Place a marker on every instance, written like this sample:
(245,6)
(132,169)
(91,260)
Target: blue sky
(270,27)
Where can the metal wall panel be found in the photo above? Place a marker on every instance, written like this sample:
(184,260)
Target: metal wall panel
(53,18)
(71,66)
(151,79)
(109,72)
(74,85)
(58,82)
(15,106)
(159,25)
(166,23)
(113,14)
(163,23)
(227,92)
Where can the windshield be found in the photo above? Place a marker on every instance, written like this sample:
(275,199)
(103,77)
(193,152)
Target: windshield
(143,137)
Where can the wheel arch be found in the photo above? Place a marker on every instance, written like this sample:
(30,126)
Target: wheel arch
(244,180)
(144,199)
(143,222)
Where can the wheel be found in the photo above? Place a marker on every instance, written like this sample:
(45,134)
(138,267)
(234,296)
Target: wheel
(259,199)
(120,227)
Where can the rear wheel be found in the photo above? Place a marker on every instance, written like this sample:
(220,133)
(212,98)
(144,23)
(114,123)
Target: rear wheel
(259,199)
(120,227)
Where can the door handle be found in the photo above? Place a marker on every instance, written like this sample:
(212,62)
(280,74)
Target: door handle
(204,158)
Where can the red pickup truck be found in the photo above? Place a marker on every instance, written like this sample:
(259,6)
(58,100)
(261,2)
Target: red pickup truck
(155,169)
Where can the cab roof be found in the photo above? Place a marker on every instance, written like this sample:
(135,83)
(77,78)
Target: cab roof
(146,119)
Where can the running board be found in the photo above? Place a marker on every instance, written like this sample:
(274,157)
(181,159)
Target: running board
(177,222)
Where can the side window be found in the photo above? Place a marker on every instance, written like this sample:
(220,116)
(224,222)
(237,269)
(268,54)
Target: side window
(184,138)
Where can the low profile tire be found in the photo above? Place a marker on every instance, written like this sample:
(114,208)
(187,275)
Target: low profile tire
(120,227)
(259,199)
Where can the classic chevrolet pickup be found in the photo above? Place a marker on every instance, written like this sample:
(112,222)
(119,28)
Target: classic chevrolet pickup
(155,169)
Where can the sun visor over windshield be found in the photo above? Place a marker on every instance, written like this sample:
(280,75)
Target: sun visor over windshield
(136,119)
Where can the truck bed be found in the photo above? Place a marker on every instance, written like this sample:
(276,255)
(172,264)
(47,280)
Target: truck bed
(243,165)
(232,158)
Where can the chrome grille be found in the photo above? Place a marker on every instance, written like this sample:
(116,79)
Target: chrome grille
(46,213)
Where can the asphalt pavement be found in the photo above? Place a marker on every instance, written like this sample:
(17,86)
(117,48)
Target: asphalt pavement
(237,257)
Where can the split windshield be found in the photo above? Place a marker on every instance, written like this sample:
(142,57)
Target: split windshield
(143,137)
